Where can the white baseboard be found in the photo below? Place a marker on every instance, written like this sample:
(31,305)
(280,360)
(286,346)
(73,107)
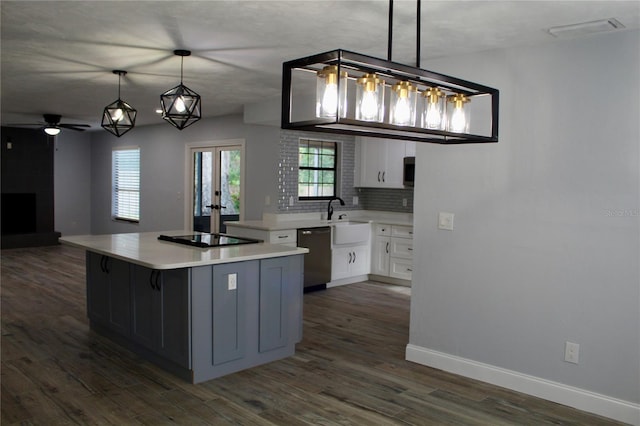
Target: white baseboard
(581,399)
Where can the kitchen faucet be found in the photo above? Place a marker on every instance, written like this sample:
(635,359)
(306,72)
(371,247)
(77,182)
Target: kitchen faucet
(330,209)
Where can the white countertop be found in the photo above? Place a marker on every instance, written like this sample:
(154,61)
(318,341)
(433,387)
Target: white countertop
(294,221)
(146,250)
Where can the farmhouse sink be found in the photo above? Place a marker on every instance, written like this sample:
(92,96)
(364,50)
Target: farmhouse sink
(350,232)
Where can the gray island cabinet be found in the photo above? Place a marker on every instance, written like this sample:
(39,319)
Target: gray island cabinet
(203,314)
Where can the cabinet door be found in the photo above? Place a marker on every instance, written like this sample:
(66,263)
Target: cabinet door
(371,160)
(380,258)
(394,153)
(340,262)
(229,316)
(274,298)
(119,295)
(361,261)
(108,292)
(174,316)
(97,289)
(145,318)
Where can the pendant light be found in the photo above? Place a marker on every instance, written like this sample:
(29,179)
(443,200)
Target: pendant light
(457,115)
(119,117)
(403,104)
(331,92)
(357,104)
(180,105)
(433,109)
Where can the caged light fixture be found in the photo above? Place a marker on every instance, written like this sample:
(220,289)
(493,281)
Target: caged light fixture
(180,105)
(423,106)
(119,117)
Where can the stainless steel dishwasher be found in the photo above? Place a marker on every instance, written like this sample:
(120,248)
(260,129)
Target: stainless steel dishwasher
(317,263)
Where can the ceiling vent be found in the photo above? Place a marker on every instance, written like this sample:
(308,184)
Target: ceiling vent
(584,28)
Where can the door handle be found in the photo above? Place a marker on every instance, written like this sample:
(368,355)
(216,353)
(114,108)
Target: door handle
(216,206)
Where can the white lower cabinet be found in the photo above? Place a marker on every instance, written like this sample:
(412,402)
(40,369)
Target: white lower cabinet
(392,253)
(349,261)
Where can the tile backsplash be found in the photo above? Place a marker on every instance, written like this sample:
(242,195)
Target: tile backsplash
(368,198)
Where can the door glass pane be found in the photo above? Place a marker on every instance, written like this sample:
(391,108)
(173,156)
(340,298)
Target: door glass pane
(230,181)
(202,184)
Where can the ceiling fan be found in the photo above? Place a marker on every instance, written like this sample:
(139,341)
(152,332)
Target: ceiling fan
(52,125)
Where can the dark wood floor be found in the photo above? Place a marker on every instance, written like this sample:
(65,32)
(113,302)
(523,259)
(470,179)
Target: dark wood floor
(349,368)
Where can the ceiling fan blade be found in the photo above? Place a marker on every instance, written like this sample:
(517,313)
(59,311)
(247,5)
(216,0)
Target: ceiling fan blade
(78,127)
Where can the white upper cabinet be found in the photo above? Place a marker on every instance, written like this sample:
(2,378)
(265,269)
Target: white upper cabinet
(380,162)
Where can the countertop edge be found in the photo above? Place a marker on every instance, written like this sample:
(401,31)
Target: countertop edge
(265,254)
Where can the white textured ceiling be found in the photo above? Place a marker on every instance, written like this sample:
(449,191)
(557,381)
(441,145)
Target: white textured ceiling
(57,56)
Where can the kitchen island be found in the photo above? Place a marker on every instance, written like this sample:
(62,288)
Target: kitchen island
(199,313)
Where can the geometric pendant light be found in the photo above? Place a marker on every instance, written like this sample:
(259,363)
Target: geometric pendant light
(119,117)
(180,105)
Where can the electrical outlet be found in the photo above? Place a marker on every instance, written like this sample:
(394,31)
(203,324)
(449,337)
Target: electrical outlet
(404,202)
(291,202)
(571,352)
(355,200)
(232,281)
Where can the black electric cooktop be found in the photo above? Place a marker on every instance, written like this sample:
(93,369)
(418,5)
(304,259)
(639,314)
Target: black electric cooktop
(208,240)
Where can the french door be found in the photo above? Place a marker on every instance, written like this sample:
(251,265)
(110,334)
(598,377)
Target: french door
(216,195)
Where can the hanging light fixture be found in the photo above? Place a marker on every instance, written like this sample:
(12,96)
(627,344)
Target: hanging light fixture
(119,117)
(180,105)
(357,103)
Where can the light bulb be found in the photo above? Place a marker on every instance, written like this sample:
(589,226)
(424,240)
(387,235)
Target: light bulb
(369,106)
(458,120)
(434,117)
(179,105)
(402,111)
(117,115)
(330,100)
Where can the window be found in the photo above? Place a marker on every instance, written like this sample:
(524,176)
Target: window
(125,192)
(317,173)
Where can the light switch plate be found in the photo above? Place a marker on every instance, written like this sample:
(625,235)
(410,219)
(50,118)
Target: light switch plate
(232,281)
(445,221)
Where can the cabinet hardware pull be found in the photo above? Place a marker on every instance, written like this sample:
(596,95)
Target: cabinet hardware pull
(409,270)
(378,176)
(354,257)
(158,280)
(349,258)
(387,248)
(104,264)
(151,280)
(410,248)
(383,173)
(282,236)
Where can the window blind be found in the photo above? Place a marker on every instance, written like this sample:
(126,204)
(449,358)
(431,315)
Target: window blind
(125,195)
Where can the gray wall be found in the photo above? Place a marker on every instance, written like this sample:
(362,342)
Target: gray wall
(72,182)
(162,159)
(547,222)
